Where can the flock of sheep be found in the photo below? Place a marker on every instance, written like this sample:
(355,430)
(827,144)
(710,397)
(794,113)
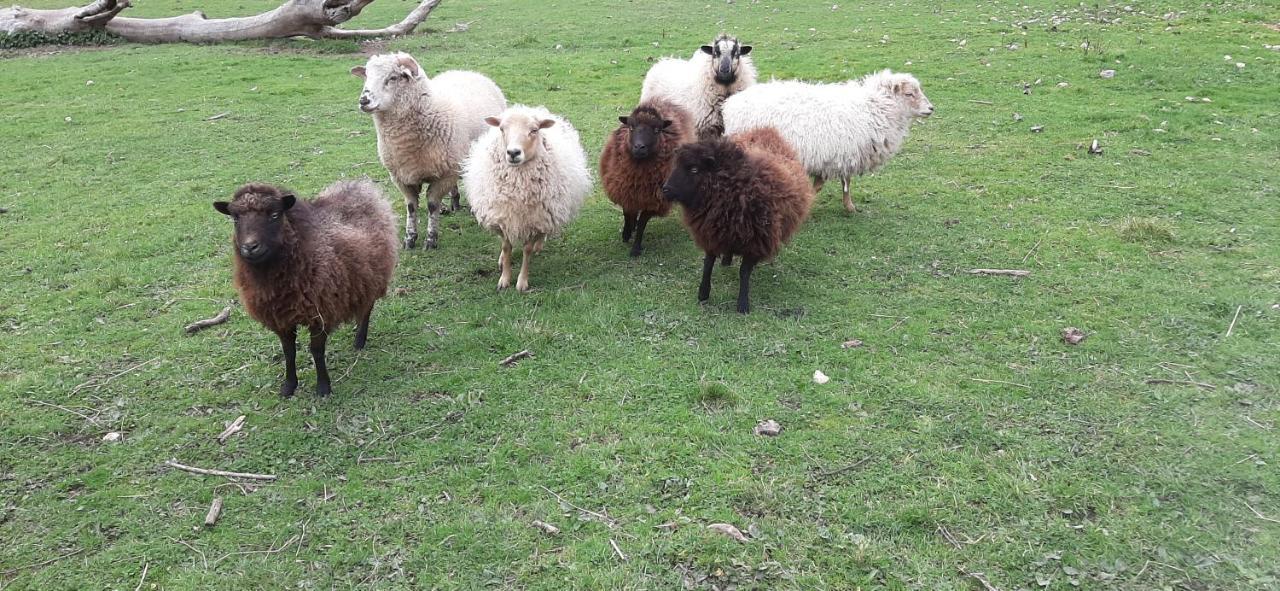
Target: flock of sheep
(743,160)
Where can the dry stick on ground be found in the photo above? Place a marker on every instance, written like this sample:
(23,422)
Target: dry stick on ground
(203,559)
(946,535)
(215,510)
(621,556)
(271,550)
(113,376)
(143,579)
(200,325)
(231,429)
(224,473)
(609,521)
(63,408)
(40,564)
(1001,382)
(1182,383)
(1033,249)
(546,527)
(516,357)
(844,469)
(1260,515)
(1233,321)
(986,585)
(1008,272)
(295,18)
(981,102)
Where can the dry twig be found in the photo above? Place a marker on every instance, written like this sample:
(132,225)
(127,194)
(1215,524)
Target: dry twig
(40,564)
(224,473)
(847,468)
(616,549)
(515,357)
(946,535)
(608,521)
(986,585)
(143,579)
(214,511)
(1182,383)
(200,325)
(1008,272)
(545,527)
(1233,321)
(1260,515)
(231,429)
(1001,382)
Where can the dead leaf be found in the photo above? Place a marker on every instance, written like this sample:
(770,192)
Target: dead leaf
(1072,335)
(545,527)
(1107,73)
(728,530)
(851,344)
(768,428)
(113,437)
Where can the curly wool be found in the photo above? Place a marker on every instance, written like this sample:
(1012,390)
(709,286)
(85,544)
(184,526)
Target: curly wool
(754,200)
(339,253)
(838,130)
(536,198)
(636,185)
(691,85)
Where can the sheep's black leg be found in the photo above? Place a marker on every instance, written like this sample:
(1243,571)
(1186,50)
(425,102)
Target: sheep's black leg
(289,342)
(704,290)
(411,193)
(727,259)
(628,225)
(637,246)
(362,331)
(318,339)
(455,200)
(744,284)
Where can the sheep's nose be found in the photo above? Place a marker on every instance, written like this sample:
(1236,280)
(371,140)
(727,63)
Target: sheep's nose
(364,101)
(250,249)
(513,153)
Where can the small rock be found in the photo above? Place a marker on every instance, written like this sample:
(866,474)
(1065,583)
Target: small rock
(1094,148)
(728,530)
(768,428)
(1037,128)
(113,437)
(88,83)
(851,344)
(819,377)
(1107,74)
(1239,65)
(1063,85)
(1072,335)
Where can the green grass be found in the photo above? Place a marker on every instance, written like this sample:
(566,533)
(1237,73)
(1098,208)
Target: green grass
(1051,465)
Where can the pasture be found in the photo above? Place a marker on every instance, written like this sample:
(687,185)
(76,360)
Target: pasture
(963,436)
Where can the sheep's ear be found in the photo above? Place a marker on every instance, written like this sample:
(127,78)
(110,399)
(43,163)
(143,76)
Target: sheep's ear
(744,50)
(287,200)
(707,49)
(898,87)
(494,121)
(223,207)
(358,71)
(408,63)
(622,120)
(545,123)
(666,123)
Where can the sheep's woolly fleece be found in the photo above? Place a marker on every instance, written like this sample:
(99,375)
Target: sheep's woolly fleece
(339,254)
(537,197)
(636,185)
(838,130)
(691,84)
(426,139)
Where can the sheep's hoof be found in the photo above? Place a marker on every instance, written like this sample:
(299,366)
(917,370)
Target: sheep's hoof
(635,252)
(410,242)
(522,287)
(287,388)
(323,389)
(503,283)
(430,243)
(744,308)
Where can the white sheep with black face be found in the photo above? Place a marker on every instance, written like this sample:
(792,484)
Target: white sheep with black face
(425,128)
(838,130)
(526,179)
(701,83)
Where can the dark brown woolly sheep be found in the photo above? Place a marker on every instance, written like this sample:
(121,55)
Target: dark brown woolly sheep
(744,195)
(637,159)
(316,263)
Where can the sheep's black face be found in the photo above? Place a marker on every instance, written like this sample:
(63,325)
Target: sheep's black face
(692,164)
(258,212)
(725,54)
(645,133)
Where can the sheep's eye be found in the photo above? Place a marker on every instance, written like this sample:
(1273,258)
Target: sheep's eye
(275,216)
(693,170)
(911,94)
(533,131)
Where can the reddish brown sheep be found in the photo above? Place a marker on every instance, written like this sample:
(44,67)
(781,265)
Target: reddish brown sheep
(637,159)
(313,263)
(744,195)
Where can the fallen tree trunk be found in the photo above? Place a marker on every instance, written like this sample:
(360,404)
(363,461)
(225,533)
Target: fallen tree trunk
(317,19)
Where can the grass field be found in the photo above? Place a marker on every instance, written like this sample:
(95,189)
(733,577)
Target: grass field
(963,434)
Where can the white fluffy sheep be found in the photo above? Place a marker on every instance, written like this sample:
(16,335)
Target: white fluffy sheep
(701,83)
(838,130)
(425,128)
(526,179)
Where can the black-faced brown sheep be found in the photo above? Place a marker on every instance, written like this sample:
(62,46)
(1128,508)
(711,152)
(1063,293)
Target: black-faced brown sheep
(742,195)
(637,159)
(313,263)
